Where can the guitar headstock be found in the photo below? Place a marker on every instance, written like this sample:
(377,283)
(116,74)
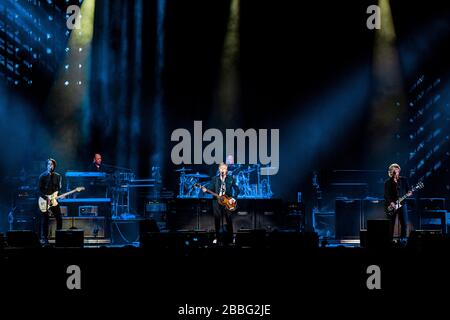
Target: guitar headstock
(79,189)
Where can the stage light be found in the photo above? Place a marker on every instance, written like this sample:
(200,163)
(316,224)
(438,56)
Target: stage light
(49,51)
(228,93)
(68,104)
(388,89)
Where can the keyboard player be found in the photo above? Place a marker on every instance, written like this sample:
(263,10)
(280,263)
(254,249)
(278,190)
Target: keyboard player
(96,164)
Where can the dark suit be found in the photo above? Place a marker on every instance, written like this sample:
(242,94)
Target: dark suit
(48,184)
(393,191)
(220,212)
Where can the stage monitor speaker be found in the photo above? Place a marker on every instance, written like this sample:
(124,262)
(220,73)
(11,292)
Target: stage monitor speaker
(69,238)
(23,239)
(372,209)
(379,234)
(348,218)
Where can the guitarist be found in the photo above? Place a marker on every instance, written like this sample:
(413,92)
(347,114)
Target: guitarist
(223,184)
(394,188)
(49,182)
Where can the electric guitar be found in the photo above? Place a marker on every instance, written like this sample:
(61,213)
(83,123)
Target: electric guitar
(223,200)
(52,199)
(390,209)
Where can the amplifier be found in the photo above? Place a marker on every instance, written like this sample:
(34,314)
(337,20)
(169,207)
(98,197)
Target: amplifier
(94,227)
(88,211)
(348,218)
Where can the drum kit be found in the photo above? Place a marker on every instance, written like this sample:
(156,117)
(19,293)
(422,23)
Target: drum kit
(187,182)
(248,179)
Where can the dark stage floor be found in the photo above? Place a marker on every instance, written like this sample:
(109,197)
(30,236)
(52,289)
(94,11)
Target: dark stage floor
(287,277)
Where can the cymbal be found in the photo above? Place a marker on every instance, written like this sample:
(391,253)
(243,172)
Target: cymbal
(183,170)
(197,175)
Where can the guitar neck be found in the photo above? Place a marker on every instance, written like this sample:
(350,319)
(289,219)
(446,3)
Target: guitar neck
(67,193)
(212,192)
(405,196)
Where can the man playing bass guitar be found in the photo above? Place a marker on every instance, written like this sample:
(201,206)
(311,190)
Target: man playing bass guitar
(223,184)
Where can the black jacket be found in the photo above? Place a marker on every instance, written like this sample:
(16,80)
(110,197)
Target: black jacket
(231,188)
(393,191)
(49,183)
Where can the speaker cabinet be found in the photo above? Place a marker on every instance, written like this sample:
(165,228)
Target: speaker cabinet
(372,209)
(93,227)
(348,218)
(69,238)
(190,214)
(434,220)
(243,220)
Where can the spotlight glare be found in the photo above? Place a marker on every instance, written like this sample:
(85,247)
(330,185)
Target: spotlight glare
(66,83)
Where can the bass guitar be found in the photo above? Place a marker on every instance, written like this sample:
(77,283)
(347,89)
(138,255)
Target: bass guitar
(52,199)
(224,200)
(390,209)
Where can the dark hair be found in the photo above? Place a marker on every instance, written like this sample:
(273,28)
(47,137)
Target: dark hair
(53,161)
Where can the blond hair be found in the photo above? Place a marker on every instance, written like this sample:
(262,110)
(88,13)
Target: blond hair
(391,169)
(223,164)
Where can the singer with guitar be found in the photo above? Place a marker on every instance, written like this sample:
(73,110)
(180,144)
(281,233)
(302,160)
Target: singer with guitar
(394,188)
(49,183)
(223,184)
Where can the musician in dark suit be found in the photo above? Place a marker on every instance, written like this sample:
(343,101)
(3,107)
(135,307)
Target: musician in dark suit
(223,184)
(394,188)
(49,182)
